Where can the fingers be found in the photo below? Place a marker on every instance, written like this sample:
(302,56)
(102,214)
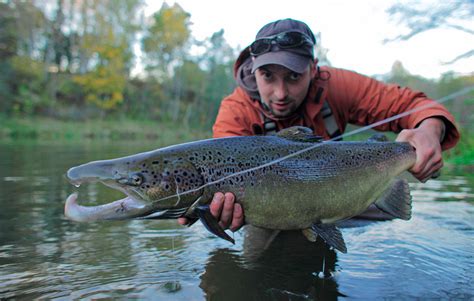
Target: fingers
(238,218)
(224,208)
(229,213)
(425,140)
(428,162)
(432,170)
(216,205)
(183,221)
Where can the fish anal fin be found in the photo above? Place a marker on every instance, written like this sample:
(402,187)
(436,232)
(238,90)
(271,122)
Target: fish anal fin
(331,235)
(271,238)
(299,133)
(396,200)
(211,223)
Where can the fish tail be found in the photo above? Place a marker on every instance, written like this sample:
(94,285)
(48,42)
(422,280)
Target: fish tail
(396,200)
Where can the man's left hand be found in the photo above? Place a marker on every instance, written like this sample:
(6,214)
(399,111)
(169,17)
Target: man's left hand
(426,140)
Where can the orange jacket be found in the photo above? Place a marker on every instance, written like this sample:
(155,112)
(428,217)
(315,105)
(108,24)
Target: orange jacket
(352,97)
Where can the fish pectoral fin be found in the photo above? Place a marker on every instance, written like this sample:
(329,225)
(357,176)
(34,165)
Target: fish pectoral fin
(211,223)
(191,221)
(299,133)
(396,200)
(331,235)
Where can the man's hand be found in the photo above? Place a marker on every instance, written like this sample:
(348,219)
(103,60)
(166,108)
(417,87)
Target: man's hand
(426,139)
(224,208)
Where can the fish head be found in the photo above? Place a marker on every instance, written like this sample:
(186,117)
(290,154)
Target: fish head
(152,184)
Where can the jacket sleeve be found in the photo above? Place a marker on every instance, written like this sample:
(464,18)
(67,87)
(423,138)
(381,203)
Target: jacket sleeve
(232,119)
(363,101)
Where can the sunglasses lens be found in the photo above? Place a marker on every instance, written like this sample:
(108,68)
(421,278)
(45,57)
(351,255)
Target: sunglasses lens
(283,40)
(290,39)
(260,46)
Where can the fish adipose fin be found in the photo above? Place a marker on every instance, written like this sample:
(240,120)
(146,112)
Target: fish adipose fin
(211,223)
(331,235)
(379,137)
(299,133)
(396,200)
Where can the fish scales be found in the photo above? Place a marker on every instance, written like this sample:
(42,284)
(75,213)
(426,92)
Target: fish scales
(330,182)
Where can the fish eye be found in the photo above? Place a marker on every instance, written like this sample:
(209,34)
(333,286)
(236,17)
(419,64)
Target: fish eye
(135,179)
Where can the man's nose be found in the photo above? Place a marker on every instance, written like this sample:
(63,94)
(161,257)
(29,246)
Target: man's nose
(281,90)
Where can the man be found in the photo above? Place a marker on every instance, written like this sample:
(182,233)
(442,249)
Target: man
(280,85)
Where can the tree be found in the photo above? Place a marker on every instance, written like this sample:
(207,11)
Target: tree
(105,50)
(217,60)
(421,17)
(321,53)
(8,48)
(165,40)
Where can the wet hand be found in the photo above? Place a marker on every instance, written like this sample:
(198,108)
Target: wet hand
(426,140)
(224,208)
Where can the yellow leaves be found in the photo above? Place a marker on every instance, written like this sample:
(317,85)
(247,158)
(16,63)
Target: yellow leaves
(168,32)
(104,86)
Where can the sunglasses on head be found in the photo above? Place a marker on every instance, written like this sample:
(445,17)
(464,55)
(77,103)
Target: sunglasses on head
(288,39)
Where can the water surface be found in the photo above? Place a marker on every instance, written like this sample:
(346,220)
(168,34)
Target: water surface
(43,255)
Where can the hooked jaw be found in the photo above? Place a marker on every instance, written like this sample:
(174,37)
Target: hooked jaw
(126,208)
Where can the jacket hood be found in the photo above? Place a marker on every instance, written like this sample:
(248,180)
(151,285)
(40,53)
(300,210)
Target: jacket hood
(244,76)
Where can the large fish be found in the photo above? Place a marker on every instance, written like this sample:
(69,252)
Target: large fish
(292,180)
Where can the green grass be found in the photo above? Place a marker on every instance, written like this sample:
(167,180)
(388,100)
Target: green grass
(463,152)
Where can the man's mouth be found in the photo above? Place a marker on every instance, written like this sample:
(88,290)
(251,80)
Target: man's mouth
(281,105)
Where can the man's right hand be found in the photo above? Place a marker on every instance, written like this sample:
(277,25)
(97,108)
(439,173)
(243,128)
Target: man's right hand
(224,208)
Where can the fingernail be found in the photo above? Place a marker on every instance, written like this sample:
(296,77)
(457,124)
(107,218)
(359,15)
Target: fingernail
(218,197)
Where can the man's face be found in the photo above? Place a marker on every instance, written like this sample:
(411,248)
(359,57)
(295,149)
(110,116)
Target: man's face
(281,89)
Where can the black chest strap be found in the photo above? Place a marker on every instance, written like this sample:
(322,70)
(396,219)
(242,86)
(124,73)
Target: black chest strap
(270,127)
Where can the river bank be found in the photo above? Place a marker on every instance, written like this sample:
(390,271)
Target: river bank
(75,131)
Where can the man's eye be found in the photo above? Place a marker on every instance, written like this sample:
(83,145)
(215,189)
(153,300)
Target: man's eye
(295,76)
(267,75)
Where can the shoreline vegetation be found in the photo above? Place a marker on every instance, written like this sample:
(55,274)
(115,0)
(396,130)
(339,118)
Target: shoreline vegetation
(48,129)
(156,132)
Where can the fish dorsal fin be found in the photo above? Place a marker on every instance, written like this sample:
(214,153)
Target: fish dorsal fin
(299,133)
(378,138)
(396,200)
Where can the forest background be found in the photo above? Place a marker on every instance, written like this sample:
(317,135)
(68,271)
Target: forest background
(67,71)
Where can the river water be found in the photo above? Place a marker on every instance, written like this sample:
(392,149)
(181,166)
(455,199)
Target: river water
(45,256)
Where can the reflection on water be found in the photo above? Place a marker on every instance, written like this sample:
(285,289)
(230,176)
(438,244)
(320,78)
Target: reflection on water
(287,270)
(43,255)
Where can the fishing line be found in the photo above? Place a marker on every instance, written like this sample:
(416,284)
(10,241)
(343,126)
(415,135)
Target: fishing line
(351,133)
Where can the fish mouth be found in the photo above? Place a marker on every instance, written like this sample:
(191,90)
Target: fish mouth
(130,207)
(126,208)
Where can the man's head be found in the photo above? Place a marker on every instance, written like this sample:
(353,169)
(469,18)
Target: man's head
(283,63)
(286,42)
